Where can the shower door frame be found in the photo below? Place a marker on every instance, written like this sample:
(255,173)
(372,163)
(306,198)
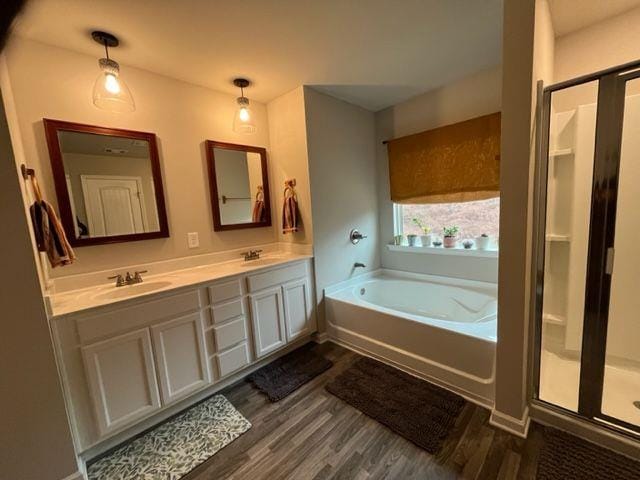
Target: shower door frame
(608,139)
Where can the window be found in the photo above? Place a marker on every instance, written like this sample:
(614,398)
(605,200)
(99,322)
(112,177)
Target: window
(473,218)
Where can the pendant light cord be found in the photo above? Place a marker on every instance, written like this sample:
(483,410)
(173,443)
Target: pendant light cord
(106,49)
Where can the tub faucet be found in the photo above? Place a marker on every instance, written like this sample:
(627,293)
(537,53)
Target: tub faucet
(359,265)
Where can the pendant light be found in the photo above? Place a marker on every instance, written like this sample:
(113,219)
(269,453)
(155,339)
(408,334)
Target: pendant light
(110,92)
(243,119)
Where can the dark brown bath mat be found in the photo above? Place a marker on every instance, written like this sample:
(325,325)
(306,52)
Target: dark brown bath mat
(415,409)
(288,373)
(564,456)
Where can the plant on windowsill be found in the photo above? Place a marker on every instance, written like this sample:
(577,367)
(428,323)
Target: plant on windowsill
(450,236)
(425,238)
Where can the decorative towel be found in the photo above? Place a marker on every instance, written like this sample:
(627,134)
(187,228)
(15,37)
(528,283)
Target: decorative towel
(50,236)
(258,207)
(290,210)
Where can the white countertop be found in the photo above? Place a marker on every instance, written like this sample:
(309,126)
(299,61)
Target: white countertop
(96,296)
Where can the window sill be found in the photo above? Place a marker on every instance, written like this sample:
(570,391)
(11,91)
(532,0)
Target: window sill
(456,251)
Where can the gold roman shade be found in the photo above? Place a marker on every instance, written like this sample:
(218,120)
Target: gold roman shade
(454,163)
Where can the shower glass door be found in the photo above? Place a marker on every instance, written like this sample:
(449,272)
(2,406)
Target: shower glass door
(621,377)
(587,249)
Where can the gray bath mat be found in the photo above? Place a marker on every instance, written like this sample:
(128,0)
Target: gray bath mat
(564,456)
(415,409)
(288,373)
(176,447)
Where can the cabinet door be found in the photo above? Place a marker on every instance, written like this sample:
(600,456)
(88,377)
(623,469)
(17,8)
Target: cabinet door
(297,309)
(267,316)
(122,379)
(181,356)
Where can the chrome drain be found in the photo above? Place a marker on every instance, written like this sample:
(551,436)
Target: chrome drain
(637,404)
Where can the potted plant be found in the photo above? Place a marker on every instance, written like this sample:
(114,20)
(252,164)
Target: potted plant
(412,239)
(483,242)
(450,236)
(467,244)
(426,237)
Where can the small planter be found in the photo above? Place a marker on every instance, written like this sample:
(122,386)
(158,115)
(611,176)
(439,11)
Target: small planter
(412,240)
(483,242)
(450,242)
(467,244)
(426,240)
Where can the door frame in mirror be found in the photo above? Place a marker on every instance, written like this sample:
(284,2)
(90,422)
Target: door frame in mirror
(51,128)
(213,186)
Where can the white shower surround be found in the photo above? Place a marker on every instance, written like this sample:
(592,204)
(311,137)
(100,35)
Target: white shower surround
(439,328)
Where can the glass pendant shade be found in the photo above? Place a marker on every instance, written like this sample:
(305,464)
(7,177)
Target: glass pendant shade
(110,92)
(243,119)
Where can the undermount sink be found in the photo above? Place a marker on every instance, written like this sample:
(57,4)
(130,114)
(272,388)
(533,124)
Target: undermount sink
(130,290)
(261,262)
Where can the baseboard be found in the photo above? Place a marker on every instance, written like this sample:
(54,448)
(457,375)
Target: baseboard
(513,425)
(76,476)
(320,337)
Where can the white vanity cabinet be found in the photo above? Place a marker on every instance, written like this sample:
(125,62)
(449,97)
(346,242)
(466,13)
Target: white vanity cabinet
(125,362)
(181,359)
(121,379)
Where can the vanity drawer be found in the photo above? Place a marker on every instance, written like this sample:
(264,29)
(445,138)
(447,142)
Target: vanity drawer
(233,359)
(225,291)
(227,311)
(260,281)
(114,321)
(230,333)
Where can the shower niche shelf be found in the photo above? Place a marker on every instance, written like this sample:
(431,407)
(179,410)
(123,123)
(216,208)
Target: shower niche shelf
(554,319)
(561,152)
(555,237)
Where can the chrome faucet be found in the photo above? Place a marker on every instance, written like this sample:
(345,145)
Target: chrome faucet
(120,281)
(251,255)
(359,265)
(128,279)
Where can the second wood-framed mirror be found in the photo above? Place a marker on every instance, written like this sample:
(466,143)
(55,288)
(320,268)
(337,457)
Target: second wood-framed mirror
(239,186)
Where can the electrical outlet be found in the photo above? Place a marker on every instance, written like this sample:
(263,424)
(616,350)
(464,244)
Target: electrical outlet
(192,240)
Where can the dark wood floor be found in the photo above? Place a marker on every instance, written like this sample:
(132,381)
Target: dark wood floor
(313,435)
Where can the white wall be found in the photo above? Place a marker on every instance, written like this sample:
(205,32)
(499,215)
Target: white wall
(473,96)
(340,139)
(182,115)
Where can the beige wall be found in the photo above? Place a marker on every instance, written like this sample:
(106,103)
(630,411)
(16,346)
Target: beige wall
(35,440)
(341,147)
(515,180)
(470,97)
(180,114)
(288,139)
(604,44)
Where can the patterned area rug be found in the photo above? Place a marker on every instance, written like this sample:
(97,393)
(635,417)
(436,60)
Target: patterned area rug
(565,457)
(288,373)
(176,447)
(417,410)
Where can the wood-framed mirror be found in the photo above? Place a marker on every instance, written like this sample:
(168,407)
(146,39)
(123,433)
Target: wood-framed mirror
(239,186)
(108,183)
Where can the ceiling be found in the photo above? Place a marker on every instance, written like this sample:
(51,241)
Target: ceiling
(572,15)
(104,145)
(374,53)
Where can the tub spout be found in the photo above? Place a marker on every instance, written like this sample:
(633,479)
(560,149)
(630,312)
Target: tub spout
(359,265)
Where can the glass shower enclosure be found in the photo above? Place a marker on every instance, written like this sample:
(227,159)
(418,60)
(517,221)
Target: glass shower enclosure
(587,300)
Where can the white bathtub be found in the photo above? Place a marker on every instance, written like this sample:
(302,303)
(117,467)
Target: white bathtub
(440,328)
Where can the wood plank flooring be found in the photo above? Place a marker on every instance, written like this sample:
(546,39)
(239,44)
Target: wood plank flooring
(313,435)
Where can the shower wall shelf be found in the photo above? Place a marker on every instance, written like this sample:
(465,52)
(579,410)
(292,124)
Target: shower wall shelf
(554,237)
(554,319)
(563,152)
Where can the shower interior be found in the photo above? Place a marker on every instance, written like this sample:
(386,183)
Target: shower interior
(587,328)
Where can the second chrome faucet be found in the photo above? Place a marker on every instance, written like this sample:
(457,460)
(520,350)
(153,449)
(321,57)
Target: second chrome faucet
(128,279)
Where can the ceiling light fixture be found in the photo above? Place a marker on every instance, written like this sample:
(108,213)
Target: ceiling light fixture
(242,120)
(110,92)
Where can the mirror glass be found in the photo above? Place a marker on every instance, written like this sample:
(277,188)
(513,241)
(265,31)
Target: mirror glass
(239,186)
(110,186)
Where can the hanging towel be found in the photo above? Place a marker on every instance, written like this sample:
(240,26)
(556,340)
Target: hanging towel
(50,236)
(289,211)
(258,207)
